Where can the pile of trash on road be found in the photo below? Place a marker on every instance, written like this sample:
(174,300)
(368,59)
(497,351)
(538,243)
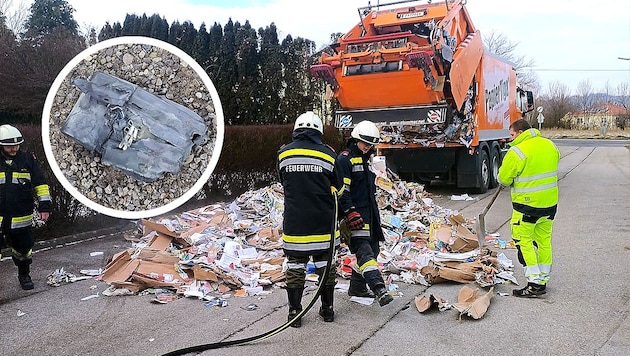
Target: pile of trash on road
(235,249)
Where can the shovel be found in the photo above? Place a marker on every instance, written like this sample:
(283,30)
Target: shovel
(480,224)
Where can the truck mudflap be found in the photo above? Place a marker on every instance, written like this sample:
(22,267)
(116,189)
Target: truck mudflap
(133,130)
(416,115)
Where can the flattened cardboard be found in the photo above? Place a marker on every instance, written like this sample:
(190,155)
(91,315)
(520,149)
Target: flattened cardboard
(464,239)
(120,271)
(220,218)
(455,275)
(150,282)
(125,255)
(471,304)
(269,233)
(424,303)
(148,226)
(158,256)
(444,234)
(437,273)
(133,287)
(274,276)
(431,274)
(148,267)
(160,241)
(204,274)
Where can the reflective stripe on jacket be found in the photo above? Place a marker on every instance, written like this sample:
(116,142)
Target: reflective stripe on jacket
(20,179)
(306,168)
(530,167)
(359,190)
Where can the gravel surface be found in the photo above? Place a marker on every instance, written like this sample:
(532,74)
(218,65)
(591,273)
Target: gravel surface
(160,72)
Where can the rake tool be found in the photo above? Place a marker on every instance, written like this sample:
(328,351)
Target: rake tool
(480,224)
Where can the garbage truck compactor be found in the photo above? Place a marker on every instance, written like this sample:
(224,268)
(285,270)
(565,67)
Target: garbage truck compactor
(442,102)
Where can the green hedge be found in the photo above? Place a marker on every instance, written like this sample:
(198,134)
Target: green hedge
(248,158)
(254,148)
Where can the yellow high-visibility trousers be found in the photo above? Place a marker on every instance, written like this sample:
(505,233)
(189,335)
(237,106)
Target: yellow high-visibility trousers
(532,236)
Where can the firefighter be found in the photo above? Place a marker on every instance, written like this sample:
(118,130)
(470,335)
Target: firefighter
(306,168)
(530,168)
(20,176)
(358,204)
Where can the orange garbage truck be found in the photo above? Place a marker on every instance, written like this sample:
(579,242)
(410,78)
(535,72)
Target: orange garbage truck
(442,102)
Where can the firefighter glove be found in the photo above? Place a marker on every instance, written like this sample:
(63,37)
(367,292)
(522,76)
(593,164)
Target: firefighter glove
(355,221)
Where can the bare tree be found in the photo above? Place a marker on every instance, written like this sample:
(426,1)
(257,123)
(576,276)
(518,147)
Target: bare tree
(15,14)
(31,66)
(557,103)
(500,45)
(89,32)
(586,99)
(622,98)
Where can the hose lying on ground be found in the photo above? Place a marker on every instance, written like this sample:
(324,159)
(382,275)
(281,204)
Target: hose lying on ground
(327,271)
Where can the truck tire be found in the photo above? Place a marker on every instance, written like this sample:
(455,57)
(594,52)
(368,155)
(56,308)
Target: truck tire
(484,171)
(495,162)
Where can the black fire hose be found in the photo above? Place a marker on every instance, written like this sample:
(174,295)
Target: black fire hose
(327,271)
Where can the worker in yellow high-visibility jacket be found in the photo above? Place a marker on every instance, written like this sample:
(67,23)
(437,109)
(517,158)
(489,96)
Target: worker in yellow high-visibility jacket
(530,168)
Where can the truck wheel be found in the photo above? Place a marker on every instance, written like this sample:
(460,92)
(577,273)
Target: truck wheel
(484,172)
(494,168)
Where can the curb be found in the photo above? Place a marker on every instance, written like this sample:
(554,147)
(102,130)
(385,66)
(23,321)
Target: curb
(127,226)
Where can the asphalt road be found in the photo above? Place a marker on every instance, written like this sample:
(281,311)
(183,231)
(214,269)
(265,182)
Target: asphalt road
(585,312)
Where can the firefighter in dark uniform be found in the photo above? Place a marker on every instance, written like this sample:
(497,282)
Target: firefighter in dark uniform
(306,168)
(20,176)
(358,204)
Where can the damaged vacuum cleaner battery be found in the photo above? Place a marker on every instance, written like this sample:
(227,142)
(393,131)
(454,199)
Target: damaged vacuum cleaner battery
(135,131)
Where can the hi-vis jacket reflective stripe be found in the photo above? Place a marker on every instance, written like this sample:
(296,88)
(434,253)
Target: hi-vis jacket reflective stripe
(359,190)
(530,167)
(306,168)
(20,178)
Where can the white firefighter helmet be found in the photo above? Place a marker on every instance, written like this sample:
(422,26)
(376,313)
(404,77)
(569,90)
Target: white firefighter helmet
(10,136)
(309,120)
(367,132)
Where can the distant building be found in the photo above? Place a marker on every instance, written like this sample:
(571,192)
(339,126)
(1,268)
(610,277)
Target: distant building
(607,115)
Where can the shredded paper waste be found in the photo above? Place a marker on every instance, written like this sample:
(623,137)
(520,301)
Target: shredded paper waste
(234,249)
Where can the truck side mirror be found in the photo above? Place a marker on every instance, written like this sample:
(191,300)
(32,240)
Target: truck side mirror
(530,100)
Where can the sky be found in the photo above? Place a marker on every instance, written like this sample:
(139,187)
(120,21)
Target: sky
(570,41)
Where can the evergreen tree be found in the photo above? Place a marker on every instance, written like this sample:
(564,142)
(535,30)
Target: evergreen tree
(92,38)
(226,77)
(48,15)
(106,32)
(117,29)
(188,36)
(145,26)
(131,26)
(247,72)
(175,34)
(159,28)
(201,48)
(297,97)
(214,50)
(271,75)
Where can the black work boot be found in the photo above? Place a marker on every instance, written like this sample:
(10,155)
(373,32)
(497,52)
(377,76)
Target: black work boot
(24,273)
(532,290)
(382,296)
(358,290)
(25,281)
(327,297)
(295,305)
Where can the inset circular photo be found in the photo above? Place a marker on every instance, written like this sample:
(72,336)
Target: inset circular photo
(133,127)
